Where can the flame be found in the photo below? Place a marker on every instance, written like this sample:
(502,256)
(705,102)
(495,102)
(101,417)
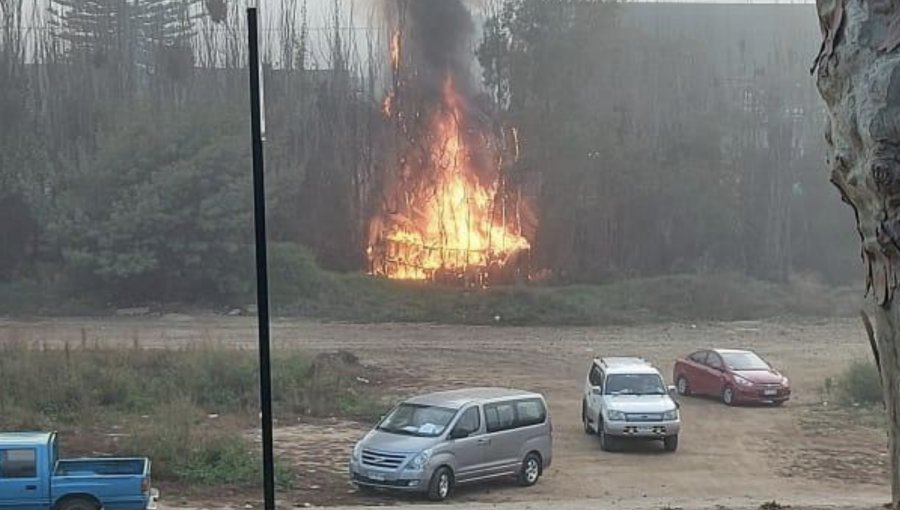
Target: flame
(395,50)
(452,225)
(388,106)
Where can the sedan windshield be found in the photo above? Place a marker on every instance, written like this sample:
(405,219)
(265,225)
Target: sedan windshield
(635,384)
(417,420)
(744,361)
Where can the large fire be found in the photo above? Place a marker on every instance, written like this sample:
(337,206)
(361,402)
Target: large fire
(450,223)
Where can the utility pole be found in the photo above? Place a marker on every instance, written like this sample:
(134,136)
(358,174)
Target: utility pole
(257,109)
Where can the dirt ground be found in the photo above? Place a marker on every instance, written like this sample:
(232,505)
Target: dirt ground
(802,454)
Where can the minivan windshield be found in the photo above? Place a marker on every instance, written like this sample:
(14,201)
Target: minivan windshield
(417,420)
(744,361)
(635,384)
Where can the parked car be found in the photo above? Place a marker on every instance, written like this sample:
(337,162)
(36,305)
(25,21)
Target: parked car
(33,477)
(433,442)
(735,376)
(627,397)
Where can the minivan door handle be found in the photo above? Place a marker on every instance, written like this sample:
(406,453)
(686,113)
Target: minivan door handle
(484,441)
(31,487)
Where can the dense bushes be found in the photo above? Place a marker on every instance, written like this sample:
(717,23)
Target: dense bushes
(859,384)
(187,409)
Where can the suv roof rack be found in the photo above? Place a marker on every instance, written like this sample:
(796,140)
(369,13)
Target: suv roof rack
(622,361)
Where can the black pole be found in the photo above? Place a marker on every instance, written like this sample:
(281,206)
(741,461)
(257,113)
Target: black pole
(262,269)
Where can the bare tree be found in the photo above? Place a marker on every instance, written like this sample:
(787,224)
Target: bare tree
(858,76)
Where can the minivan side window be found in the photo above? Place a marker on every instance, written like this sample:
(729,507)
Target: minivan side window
(530,412)
(470,421)
(500,416)
(19,463)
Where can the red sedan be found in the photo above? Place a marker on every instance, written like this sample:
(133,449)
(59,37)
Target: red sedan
(732,375)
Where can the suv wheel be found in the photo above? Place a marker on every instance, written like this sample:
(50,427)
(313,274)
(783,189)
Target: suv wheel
(671,443)
(605,439)
(441,484)
(530,471)
(728,396)
(682,385)
(584,419)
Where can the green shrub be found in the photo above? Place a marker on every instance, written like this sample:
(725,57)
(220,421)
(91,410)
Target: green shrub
(860,384)
(65,385)
(294,273)
(188,447)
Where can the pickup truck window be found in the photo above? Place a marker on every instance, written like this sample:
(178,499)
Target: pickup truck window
(19,463)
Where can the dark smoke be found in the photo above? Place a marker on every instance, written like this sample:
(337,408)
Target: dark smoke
(439,33)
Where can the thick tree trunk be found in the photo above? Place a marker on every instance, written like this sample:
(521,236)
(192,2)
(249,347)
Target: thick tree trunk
(858,76)
(887,323)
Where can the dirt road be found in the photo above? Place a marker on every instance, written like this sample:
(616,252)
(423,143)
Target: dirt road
(730,456)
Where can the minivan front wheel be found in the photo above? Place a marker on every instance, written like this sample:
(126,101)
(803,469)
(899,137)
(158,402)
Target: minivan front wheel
(441,484)
(530,471)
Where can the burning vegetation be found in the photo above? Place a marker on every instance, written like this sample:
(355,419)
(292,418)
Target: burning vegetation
(447,212)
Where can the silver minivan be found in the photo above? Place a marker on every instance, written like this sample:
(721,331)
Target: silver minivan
(432,442)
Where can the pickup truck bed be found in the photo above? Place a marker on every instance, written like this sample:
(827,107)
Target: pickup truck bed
(118,483)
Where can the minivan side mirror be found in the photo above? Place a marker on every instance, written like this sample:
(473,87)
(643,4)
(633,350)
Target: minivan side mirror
(459,433)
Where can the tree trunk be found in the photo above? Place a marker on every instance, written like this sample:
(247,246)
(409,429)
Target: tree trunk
(887,324)
(858,76)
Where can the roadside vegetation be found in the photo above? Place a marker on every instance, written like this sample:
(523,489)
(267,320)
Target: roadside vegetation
(301,288)
(854,396)
(186,409)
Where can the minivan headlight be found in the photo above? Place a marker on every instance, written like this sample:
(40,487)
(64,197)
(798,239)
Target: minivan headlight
(615,415)
(670,415)
(419,461)
(357,450)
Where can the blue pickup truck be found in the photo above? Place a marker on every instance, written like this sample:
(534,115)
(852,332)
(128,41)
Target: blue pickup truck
(33,477)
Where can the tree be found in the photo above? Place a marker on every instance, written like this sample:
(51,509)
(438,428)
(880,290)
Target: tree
(164,215)
(858,76)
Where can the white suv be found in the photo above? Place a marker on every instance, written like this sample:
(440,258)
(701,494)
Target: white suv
(627,397)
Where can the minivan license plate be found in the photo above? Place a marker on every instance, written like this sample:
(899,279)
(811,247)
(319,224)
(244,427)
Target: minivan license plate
(378,477)
(770,392)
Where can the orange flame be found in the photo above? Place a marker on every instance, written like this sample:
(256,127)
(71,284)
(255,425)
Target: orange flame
(395,50)
(452,225)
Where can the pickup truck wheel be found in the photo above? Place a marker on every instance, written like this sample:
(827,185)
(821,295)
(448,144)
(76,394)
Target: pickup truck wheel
(671,443)
(441,484)
(77,504)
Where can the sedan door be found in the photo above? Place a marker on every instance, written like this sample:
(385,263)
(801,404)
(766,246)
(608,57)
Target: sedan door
(696,372)
(715,374)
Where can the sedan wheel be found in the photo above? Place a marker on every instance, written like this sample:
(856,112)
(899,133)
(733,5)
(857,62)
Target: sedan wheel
(728,396)
(682,386)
